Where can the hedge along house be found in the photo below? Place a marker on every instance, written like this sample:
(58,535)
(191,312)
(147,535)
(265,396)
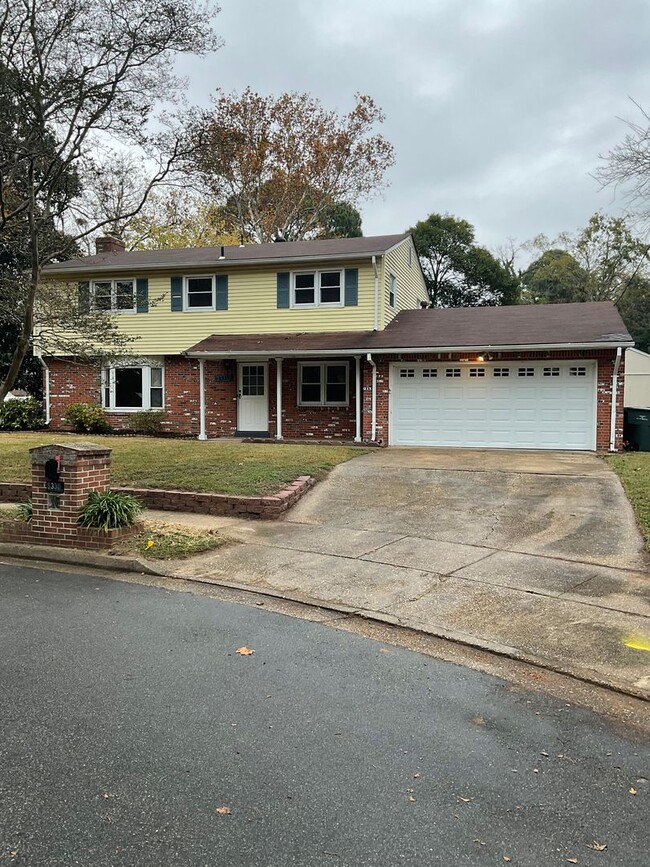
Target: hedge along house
(328,340)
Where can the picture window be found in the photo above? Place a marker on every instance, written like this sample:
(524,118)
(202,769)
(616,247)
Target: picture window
(132,387)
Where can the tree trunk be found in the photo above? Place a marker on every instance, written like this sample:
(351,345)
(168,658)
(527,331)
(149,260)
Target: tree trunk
(28,320)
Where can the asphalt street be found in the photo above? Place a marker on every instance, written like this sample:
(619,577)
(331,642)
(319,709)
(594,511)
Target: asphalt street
(133,733)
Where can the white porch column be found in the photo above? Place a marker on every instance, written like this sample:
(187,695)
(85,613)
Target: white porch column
(278,398)
(357,360)
(202,433)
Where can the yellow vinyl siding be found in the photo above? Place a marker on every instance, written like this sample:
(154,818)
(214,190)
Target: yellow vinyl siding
(252,309)
(410,285)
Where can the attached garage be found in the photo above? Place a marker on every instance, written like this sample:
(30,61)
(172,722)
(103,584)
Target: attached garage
(513,404)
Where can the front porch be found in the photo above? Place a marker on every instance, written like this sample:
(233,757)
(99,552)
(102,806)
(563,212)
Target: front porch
(282,398)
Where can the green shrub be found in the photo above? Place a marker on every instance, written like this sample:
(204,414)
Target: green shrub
(109,510)
(21,414)
(24,511)
(87,418)
(148,422)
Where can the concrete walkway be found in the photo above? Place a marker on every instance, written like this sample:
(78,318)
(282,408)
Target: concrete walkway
(534,554)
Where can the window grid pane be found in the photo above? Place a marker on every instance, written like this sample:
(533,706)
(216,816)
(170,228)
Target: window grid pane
(453,372)
(124,295)
(199,292)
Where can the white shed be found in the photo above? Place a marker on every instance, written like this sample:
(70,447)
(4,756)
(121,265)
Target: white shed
(637,379)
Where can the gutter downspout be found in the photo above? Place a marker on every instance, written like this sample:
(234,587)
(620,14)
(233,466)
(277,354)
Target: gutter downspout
(374,268)
(612,422)
(202,433)
(373,428)
(47,388)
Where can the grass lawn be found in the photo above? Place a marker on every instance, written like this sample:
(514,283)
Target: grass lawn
(215,466)
(633,469)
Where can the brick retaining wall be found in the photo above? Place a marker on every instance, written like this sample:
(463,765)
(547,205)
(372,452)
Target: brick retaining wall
(22,533)
(191,501)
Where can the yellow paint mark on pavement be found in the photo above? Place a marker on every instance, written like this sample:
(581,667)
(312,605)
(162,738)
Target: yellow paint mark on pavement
(638,642)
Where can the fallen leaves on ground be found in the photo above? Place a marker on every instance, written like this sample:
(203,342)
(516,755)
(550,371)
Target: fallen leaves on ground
(245,651)
(223,811)
(632,790)
(596,846)
(572,860)
(465,800)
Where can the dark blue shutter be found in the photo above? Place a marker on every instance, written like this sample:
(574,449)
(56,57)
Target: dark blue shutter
(221,283)
(351,287)
(142,294)
(284,283)
(177,294)
(83,294)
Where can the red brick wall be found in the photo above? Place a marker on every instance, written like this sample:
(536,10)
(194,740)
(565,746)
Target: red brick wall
(313,422)
(71,383)
(604,357)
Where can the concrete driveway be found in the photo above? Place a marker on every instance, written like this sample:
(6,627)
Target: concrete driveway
(533,552)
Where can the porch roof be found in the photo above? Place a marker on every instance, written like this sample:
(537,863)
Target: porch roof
(524,327)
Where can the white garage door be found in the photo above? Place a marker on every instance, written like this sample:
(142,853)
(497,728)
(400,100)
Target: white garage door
(528,405)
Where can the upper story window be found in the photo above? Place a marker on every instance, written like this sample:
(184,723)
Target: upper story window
(317,289)
(199,293)
(130,388)
(392,291)
(115,296)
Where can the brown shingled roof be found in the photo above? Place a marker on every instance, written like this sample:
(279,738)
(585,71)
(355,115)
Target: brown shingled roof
(446,329)
(192,257)
(523,324)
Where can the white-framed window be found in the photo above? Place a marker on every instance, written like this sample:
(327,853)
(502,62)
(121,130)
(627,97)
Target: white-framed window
(198,292)
(577,371)
(323,384)
(392,291)
(476,372)
(429,373)
(551,371)
(133,387)
(317,289)
(501,371)
(407,372)
(114,296)
(452,372)
(526,371)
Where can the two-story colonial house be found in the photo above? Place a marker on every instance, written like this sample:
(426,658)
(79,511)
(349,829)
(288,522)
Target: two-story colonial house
(329,339)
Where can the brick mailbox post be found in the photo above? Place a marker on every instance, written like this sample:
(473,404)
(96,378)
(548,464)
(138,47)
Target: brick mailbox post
(62,478)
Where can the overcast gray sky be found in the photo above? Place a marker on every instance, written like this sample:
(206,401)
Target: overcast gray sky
(498,109)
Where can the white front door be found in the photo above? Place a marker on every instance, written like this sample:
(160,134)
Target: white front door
(252,398)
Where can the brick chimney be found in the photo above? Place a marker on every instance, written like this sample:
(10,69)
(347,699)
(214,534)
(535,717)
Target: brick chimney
(109,244)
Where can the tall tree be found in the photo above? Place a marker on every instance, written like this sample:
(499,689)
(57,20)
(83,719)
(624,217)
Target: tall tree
(554,277)
(627,165)
(279,165)
(72,72)
(458,272)
(599,263)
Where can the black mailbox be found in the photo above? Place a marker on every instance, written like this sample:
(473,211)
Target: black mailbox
(53,483)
